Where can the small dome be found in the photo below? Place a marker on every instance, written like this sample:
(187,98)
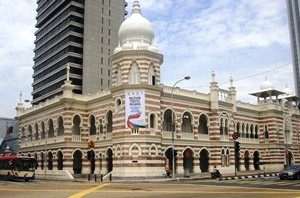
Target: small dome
(266,85)
(118,49)
(127,46)
(136,28)
(153,48)
(288,91)
(142,45)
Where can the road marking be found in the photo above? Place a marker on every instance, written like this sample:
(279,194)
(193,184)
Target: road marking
(87,191)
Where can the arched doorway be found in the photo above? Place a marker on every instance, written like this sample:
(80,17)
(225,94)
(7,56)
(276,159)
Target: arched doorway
(60,162)
(188,160)
(169,159)
(77,162)
(204,160)
(256,160)
(109,155)
(50,161)
(289,158)
(91,157)
(246,160)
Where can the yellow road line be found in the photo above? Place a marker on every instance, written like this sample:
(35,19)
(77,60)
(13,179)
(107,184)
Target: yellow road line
(87,191)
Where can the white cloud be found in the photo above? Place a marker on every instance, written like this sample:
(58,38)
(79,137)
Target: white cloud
(234,38)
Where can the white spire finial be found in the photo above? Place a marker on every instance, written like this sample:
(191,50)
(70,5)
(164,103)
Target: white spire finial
(231,81)
(20,97)
(136,7)
(213,76)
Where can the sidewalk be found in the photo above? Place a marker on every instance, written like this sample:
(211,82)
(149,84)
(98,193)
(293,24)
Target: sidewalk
(201,176)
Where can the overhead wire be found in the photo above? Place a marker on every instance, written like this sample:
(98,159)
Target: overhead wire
(247,77)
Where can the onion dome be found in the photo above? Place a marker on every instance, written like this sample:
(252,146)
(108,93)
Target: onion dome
(136,30)
(266,85)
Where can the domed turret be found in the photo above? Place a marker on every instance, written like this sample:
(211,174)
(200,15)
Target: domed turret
(136,30)
(266,85)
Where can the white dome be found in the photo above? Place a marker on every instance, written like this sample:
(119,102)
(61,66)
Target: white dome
(142,45)
(127,46)
(118,49)
(266,85)
(136,28)
(288,91)
(153,48)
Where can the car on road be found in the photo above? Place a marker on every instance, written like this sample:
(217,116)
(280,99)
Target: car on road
(290,172)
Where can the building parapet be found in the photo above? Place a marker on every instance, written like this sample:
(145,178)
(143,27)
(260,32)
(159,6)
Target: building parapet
(188,93)
(58,98)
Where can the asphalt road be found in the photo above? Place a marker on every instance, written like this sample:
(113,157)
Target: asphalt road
(246,188)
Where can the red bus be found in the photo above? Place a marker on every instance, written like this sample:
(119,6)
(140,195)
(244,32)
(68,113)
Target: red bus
(13,167)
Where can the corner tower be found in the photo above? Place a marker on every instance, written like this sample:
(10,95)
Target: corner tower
(136,60)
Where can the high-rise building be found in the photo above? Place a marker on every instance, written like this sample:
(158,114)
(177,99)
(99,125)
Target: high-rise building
(294,24)
(78,33)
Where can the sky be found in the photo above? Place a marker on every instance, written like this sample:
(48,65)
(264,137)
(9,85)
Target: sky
(247,40)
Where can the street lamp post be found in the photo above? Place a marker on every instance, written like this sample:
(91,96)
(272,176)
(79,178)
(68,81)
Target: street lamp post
(45,159)
(173,125)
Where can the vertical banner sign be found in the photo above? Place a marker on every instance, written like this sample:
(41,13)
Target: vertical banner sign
(135,109)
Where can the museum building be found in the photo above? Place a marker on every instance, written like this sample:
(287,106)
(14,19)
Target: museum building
(129,130)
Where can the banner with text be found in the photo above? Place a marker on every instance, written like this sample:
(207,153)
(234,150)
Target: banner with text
(135,109)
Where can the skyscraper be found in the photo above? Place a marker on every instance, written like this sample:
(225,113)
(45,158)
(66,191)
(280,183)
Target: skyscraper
(78,33)
(294,24)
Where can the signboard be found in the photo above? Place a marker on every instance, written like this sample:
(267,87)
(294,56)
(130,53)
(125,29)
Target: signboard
(135,109)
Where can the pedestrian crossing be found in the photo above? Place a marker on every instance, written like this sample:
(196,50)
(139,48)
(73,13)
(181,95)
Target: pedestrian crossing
(264,182)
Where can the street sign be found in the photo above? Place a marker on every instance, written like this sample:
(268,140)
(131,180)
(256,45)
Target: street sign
(235,135)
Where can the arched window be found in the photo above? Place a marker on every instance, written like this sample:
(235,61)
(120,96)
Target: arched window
(238,130)
(76,125)
(134,74)
(60,130)
(109,122)
(266,132)
(186,126)
(100,126)
(287,131)
(224,124)
(51,128)
(223,158)
(151,75)
(92,125)
(43,134)
(167,124)
(29,133)
(203,126)
(152,121)
(36,135)
(256,132)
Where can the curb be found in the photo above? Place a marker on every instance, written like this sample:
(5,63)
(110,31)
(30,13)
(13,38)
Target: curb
(249,176)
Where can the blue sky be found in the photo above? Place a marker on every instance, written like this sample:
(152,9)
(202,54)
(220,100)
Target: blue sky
(245,39)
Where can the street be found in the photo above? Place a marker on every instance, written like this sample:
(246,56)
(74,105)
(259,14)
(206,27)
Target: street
(246,188)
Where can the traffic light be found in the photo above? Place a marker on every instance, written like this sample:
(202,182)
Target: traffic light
(237,147)
(237,155)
